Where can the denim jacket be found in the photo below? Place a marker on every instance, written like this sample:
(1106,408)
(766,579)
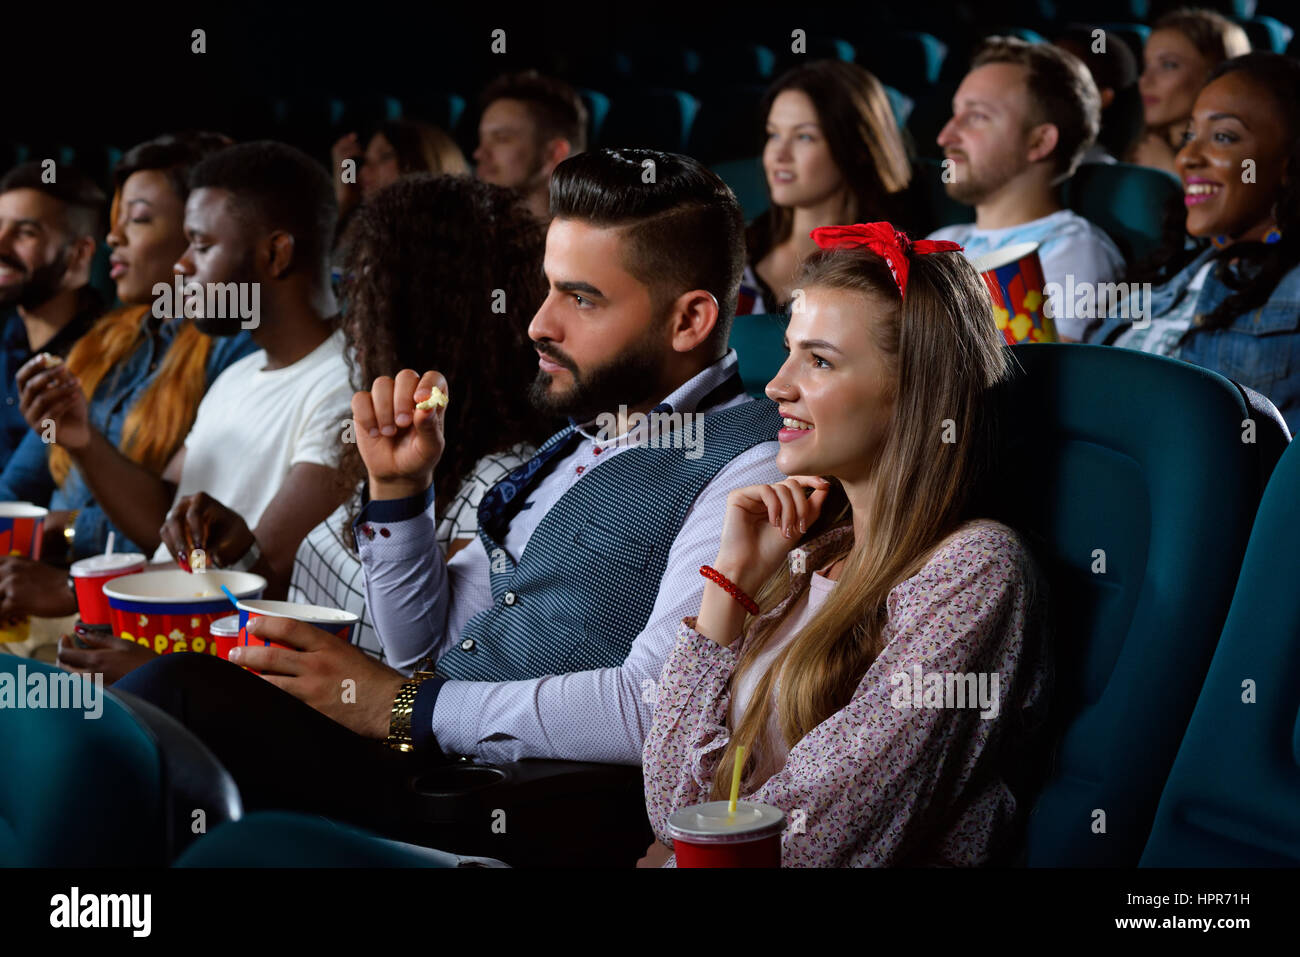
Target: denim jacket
(1259,349)
(26,477)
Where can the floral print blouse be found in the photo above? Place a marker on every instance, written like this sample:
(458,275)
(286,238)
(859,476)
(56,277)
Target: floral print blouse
(901,775)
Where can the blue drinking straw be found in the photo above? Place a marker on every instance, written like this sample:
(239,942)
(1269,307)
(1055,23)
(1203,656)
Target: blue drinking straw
(229,594)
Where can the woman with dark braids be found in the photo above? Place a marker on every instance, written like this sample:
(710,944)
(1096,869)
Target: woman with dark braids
(1235,307)
(445,272)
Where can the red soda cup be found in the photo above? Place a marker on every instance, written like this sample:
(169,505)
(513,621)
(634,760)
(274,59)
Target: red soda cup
(706,835)
(90,575)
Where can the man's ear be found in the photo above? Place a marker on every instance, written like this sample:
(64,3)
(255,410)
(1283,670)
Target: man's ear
(695,315)
(81,254)
(1107,96)
(554,153)
(1042,140)
(279,253)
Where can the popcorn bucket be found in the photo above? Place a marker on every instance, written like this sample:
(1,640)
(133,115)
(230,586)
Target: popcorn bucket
(22,525)
(707,836)
(1014,277)
(172,611)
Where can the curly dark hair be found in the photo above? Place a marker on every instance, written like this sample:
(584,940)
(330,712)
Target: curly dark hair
(445,272)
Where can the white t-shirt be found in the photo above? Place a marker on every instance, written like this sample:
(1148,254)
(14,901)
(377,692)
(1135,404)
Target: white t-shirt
(1069,245)
(253,426)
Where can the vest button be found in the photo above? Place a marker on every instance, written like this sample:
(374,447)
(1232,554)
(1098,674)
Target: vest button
(467,644)
(509,598)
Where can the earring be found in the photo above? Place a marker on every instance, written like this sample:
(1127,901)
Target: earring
(1220,242)
(1273,235)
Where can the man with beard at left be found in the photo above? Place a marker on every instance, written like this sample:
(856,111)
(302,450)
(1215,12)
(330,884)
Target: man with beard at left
(48,236)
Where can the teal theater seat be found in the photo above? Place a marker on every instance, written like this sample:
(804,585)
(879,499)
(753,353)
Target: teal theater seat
(1129,479)
(283,839)
(748,181)
(758,340)
(1127,201)
(1233,796)
(121,789)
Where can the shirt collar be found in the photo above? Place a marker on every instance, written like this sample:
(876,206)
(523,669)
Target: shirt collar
(685,398)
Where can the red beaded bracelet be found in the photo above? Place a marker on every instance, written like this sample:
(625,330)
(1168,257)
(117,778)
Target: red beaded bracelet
(715,576)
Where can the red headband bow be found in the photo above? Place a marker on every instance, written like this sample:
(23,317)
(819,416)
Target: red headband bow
(884,240)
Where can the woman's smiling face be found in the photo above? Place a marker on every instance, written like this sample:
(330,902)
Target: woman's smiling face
(836,389)
(1233,158)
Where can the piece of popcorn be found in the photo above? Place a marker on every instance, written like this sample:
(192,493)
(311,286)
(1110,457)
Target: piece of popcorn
(49,360)
(438,398)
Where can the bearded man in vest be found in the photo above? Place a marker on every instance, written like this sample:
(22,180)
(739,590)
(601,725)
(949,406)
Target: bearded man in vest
(546,637)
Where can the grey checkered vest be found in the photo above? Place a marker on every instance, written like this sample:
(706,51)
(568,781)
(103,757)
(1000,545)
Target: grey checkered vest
(587,580)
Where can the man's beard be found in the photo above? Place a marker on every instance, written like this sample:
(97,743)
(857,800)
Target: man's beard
(225,326)
(976,186)
(622,381)
(40,286)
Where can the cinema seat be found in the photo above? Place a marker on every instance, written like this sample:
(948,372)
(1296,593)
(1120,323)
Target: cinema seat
(758,340)
(126,789)
(283,839)
(1115,456)
(1233,796)
(650,119)
(1127,201)
(748,181)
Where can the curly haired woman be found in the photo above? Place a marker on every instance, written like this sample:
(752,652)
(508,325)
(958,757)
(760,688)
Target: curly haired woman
(443,272)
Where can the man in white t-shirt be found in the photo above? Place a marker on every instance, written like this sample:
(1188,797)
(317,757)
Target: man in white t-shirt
(1022,119)
(258,467)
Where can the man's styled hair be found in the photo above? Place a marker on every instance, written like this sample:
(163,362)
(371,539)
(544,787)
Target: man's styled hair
(684,228)
(1061,91)
(555,107)
(279,186)
(83,201)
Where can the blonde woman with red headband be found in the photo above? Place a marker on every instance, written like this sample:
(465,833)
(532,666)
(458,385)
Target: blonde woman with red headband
(840,593)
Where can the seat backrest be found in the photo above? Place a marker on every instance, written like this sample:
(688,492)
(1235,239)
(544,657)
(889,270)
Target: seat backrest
(757,339)
(748,181)
(283,839)
(1127,201)
(1127,475)
(89,786)
(1233,793)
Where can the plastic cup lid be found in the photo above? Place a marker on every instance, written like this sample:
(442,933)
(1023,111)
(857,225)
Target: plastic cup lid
(1002,257)
(103,564)
(314,614)
(227,627)
(711,824)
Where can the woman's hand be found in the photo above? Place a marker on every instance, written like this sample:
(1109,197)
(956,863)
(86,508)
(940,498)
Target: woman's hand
(762,523)
(51,397)
(200,521)
(400,444)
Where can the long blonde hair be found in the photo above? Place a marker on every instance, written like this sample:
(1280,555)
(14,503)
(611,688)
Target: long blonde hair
(945,355)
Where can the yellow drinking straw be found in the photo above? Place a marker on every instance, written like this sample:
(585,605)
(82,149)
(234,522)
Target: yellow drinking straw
(735,782)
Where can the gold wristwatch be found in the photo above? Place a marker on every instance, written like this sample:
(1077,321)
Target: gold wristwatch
(399,725)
